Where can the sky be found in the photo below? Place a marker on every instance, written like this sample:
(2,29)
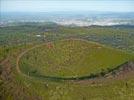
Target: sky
(66,5)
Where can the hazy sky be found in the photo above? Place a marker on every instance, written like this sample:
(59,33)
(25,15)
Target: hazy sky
(66,5)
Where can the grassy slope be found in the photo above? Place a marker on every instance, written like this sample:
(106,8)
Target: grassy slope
(106,90)
(71,58)
(23,88)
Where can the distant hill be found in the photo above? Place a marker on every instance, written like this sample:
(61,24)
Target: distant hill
(85,18)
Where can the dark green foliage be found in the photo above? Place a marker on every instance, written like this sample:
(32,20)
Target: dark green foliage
(0,69)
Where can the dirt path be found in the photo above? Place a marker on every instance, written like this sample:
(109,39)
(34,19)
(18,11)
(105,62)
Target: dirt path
(18,59)
(4,61)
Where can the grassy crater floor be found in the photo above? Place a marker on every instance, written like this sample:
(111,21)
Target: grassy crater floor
(70,58)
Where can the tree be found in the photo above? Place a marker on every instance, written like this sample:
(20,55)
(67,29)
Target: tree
(0,69)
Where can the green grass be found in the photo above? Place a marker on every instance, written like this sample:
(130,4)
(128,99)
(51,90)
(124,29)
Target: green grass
(71,58)
(103,90)
(15,86)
